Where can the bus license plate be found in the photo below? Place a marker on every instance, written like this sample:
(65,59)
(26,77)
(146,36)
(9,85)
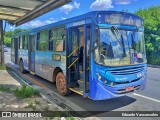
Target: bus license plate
(128,89)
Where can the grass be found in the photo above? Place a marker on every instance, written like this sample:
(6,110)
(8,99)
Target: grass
(22,92)
(26,92)
(4,89)
(31,104)
(2,67)
(70,118)
(46,108)
(36,102)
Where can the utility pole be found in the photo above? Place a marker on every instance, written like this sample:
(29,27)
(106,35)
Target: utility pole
(1,43)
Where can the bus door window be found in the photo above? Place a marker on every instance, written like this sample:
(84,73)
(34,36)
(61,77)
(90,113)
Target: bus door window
(81,46)
(88,40)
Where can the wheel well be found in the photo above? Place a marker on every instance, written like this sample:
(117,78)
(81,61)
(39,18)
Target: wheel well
(56,71)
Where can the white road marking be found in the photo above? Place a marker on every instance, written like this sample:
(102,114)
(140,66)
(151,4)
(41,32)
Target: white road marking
(149,98)
(20,78)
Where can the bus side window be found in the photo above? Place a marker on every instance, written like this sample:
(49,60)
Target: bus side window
(42,40)
(64,37)
(20,42)
(26,42)
(59,37)
(50,42)
(23,42)
(38,37)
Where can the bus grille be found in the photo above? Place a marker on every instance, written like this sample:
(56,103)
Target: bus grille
(126,71)
(126,82)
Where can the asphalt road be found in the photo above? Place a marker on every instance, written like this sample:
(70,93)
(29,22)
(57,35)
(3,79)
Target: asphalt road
(146,100)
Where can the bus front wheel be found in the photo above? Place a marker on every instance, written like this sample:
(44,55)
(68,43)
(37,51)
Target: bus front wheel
(61,84)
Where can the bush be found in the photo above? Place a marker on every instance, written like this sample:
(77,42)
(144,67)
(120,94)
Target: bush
(153,59)
(25,92)
(7,41)
(2,67)
(4,89)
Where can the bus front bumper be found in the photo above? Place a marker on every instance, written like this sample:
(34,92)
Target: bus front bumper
(106,92)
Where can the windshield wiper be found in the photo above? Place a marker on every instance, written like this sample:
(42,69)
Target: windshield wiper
(119,37)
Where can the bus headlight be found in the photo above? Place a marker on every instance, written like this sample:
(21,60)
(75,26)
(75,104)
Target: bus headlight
(105,82)
(112,84)
(99,76)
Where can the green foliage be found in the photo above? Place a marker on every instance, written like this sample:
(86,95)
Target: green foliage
(4,89)
(8,34)
(70,118)
(7,41)
(25,92)
(2,67)
(151,18)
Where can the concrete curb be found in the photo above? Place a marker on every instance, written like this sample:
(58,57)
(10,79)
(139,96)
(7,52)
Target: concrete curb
(153,66)
(23,79)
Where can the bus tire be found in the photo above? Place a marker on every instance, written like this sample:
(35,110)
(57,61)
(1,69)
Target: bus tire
(61,85)
(21,66)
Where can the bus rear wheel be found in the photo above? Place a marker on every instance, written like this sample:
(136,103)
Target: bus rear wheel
(61,84)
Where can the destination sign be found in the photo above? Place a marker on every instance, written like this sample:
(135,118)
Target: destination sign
(82,22)
(125,19)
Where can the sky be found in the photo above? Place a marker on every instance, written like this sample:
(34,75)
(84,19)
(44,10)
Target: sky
(78,7)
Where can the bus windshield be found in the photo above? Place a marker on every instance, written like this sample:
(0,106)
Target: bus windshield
(128,48)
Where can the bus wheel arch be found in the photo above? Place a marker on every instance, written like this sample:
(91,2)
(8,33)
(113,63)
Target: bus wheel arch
(55,72)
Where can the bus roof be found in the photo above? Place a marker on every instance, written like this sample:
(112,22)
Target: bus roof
(73,19)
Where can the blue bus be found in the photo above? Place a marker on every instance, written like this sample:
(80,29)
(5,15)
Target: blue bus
(99,55)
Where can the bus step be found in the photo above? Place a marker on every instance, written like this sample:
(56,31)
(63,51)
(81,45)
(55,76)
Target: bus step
(77,90)
(33,73)
(76,71)
(80,72)
(80,81)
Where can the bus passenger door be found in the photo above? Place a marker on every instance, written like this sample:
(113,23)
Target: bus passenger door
(78,44)
(14,51)
(86,60)
(72,57)
(31,53)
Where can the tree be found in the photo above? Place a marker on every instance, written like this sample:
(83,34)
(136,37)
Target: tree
(8,34)
(151,18)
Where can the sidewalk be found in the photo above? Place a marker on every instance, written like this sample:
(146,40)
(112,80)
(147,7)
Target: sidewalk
(7,78)
(153,66)
(9,102)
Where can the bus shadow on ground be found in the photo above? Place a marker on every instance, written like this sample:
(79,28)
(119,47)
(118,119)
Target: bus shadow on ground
(91,107)
(84,107)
